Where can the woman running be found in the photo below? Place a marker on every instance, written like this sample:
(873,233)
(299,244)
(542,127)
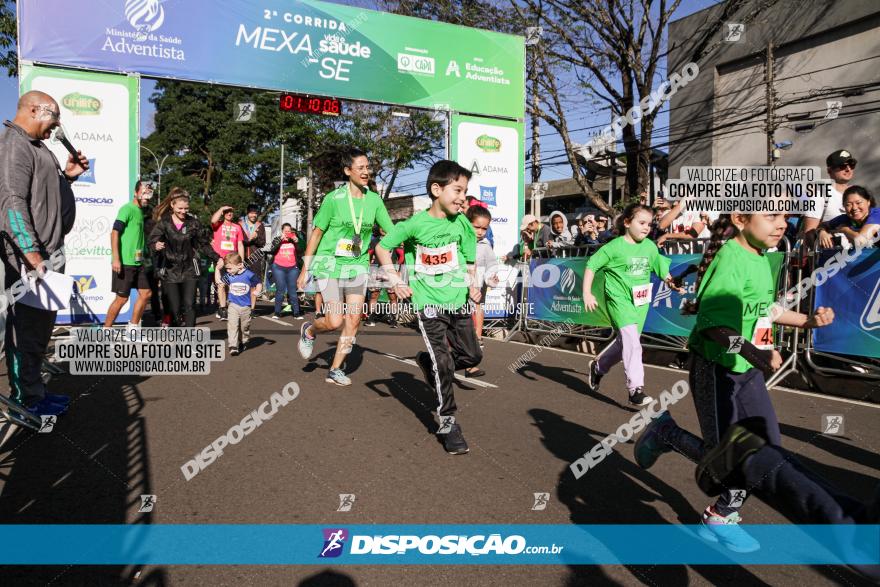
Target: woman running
(731,349)
(627,262)
(178,237)
(337,255)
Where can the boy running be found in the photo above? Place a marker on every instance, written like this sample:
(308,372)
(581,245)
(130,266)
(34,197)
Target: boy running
(242,284)
(438,244)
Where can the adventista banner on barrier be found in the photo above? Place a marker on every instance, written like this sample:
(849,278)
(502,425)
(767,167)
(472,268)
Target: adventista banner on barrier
(288,45)
(564,299)
(99,113)
(854,294)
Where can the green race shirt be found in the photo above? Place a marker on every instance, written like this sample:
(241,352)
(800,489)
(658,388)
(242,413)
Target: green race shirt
(334,257)
(736,291)
(628,270)
(437,252)
(131,240)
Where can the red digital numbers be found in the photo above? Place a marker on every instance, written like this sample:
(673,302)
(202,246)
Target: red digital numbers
(309,104)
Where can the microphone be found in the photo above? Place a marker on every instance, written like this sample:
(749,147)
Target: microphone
(60,136)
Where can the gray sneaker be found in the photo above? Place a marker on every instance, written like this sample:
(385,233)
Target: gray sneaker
(338,377)
(305,344)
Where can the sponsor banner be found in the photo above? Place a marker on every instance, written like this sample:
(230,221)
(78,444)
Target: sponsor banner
(854,293)
(556,292)
(501,300)
(493,153)
(290,45)
(664,316)
(509,544)
(99,113)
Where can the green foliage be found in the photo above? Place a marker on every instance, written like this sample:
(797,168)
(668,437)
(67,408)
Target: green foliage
(8,49)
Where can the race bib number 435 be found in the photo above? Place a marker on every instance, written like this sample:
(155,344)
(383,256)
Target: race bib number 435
(436,260)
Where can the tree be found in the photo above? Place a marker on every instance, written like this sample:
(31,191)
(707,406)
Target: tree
(8,37)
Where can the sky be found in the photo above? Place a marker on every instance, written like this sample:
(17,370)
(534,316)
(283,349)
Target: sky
(551,143)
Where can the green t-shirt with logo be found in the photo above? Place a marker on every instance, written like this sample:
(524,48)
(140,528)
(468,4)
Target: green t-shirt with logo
(736,291)
(131,240)
(437,252)
(335,257)
(628,268)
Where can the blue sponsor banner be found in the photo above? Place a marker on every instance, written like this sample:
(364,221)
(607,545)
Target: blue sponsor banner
(854,294)
(428,544)
(664,315)
(487,194)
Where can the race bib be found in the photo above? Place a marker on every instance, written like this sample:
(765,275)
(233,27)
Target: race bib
(436,260)
(138,255)
(641,294)
(763,335)
(227,246)
(345,248)
(239,289)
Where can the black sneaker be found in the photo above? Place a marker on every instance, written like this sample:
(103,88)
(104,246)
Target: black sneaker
(637,398)
(224,314)
(593,376)
(233,351)
(219,314)
(423,360)
(454,442)
(477,373)
(369,322)
(720,468)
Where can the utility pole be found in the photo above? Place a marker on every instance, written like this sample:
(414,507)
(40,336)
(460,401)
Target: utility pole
(310,196)
(771,103)
(281,188)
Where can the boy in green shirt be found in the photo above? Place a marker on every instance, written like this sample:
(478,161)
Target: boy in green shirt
(127,248)
(440,248)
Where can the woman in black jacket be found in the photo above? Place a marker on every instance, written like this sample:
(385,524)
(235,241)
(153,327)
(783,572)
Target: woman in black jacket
(177,238)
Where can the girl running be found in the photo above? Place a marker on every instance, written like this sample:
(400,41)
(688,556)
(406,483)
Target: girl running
(731,349)
(628,262)
(337,255)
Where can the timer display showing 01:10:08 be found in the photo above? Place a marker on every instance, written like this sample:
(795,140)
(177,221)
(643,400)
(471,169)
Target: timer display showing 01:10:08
(310,104)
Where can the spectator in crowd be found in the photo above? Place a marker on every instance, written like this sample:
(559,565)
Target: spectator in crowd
(127,257)
(604,231)
(590,234)
(287,250)
(473,201)
(841,166)
(180,237)
(254,240)
(228,238)
(860,222)
(559,235)
(37,209)
(529,229)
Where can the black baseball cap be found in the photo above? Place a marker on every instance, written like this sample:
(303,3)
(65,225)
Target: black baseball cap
(253,208)
(838,158)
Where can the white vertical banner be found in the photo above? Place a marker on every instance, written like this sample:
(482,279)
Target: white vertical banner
(493,151)
(99,113)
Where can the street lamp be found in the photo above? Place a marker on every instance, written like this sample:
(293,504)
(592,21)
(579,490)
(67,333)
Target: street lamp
(159,165)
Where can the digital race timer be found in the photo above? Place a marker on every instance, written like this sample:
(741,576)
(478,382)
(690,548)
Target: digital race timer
(310,104)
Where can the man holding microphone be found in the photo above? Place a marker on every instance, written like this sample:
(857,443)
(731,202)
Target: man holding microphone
(37,209)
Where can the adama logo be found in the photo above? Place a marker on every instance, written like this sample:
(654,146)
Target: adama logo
(82,104)
(334,542)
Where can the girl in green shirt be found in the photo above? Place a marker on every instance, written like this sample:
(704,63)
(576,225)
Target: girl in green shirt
(731,348)
(337,255)
(628,262)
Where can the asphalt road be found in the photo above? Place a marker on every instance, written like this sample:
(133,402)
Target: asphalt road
(127,436)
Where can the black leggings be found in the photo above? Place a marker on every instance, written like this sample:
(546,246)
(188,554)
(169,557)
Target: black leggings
(180,301)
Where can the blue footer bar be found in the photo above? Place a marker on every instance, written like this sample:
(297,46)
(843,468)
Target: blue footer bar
(523,544)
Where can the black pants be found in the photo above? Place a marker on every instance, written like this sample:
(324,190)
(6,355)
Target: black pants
(452,345)
(723,398)
(155,299)
(28,331)
(180,299)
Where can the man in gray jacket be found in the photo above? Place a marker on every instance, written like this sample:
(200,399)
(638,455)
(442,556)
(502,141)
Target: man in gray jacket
(37,209)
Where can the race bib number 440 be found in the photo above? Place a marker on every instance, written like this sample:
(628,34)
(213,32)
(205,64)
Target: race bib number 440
(436,260)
